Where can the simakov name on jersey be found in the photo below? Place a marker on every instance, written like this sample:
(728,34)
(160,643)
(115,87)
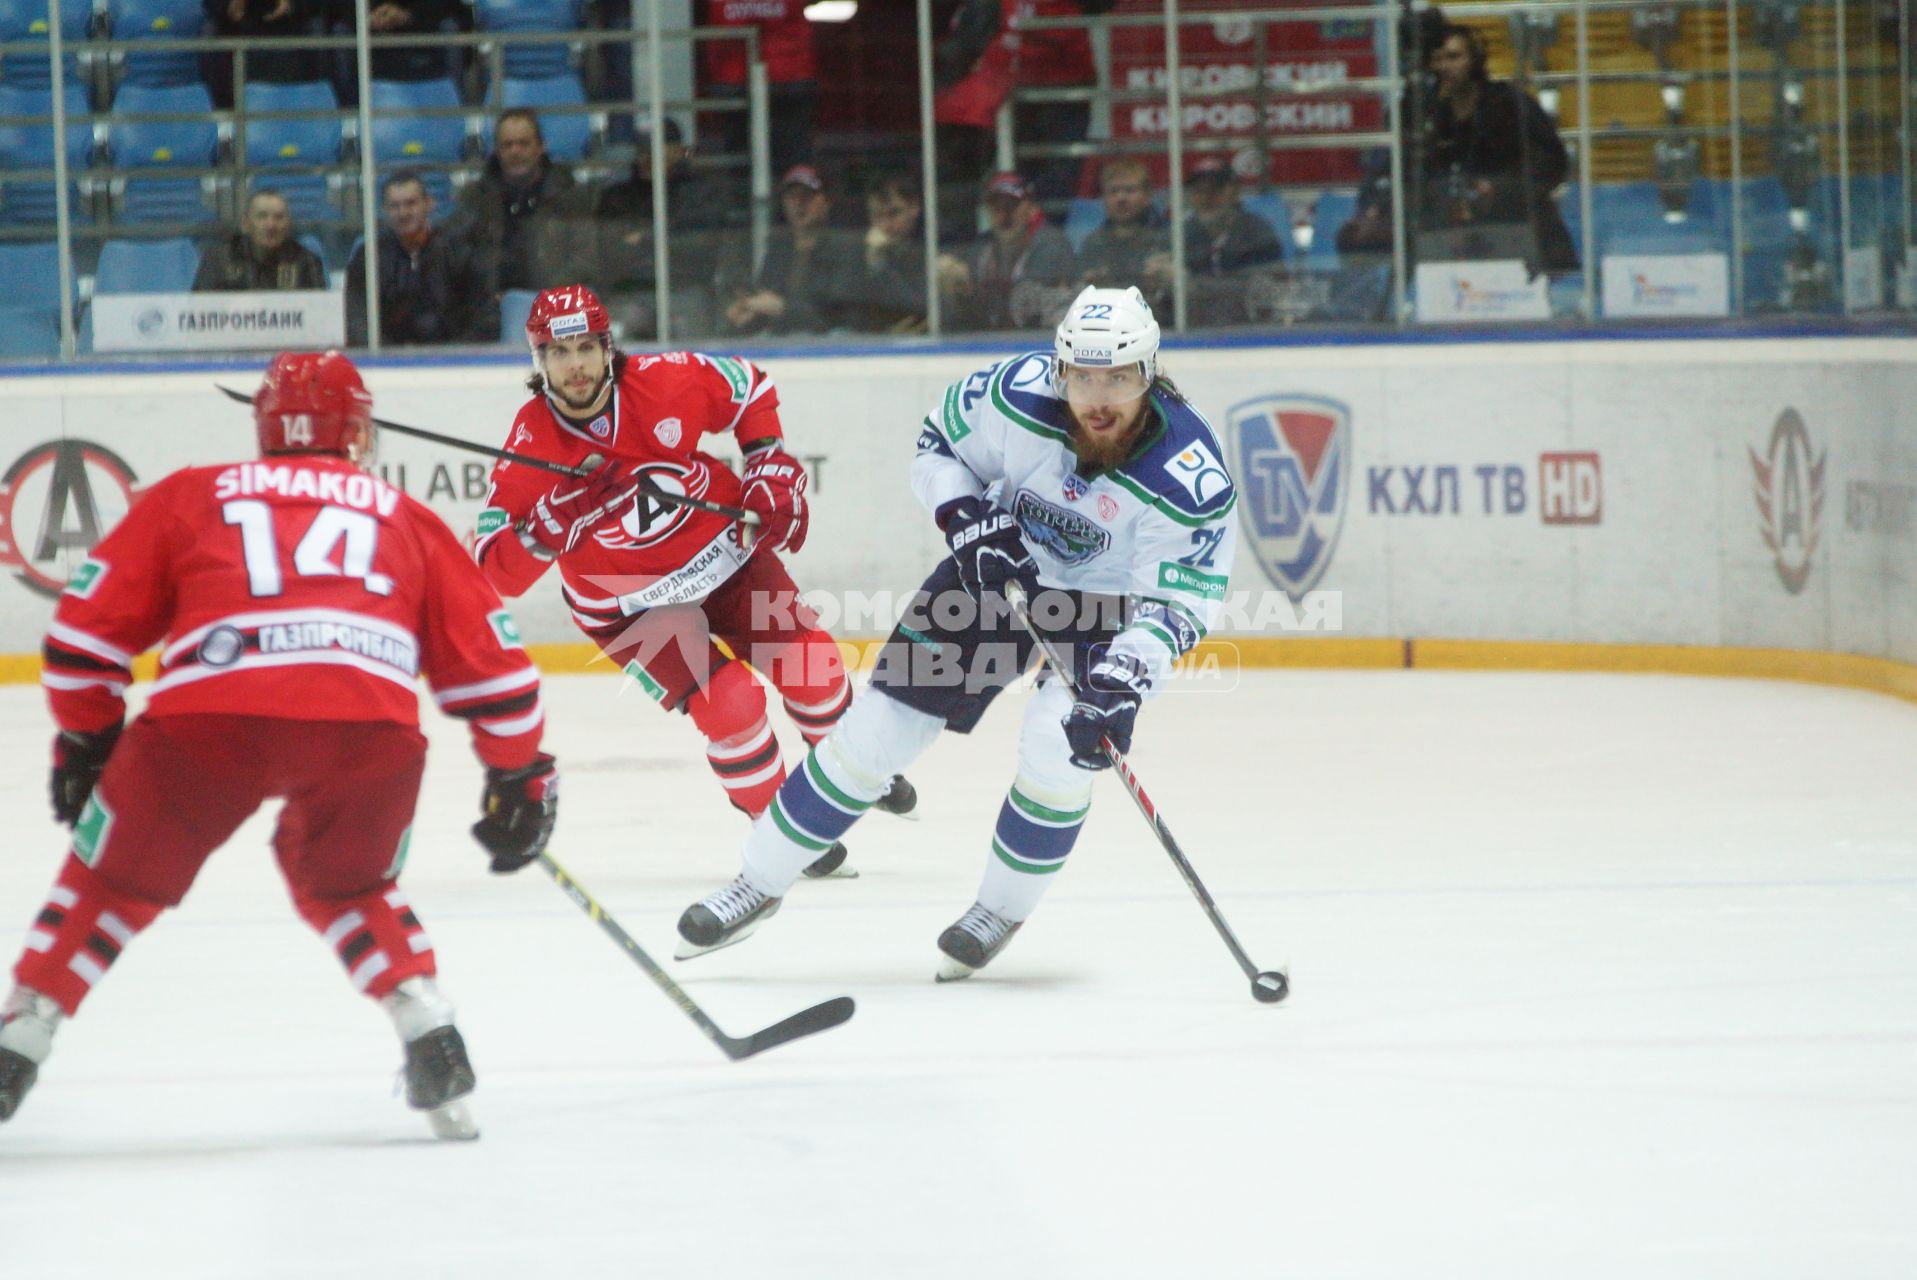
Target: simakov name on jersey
(250,479)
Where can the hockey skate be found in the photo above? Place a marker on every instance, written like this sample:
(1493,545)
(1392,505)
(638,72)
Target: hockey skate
(831,865)
(438,1073)
(723,918)
(969,945)
(901,799)
(26,1038)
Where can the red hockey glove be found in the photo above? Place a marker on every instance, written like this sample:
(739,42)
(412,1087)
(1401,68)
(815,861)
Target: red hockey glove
(78,761)
(518,808)
(569,510)
(775,492)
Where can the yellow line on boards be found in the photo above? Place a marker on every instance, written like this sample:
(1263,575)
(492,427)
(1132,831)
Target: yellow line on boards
(1851,670)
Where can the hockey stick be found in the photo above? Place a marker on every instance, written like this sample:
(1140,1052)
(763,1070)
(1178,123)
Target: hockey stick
(1267,986)
(820,1017)
(646,486)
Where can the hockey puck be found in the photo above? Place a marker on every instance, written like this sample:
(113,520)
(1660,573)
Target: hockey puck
(1270,987)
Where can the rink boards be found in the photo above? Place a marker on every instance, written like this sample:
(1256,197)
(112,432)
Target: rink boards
(1741,506)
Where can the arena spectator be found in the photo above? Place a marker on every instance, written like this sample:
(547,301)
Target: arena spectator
(262,254)
(1225,243)
(1132,246)
(792,75)
(625,263)
(882,290)
(260,23)
(789,292)
(1487,160)
(410,18)
(987,52)
(432,288)
(523,212)
(1019,274)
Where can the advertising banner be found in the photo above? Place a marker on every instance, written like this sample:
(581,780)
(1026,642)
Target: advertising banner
(1674,284)
(266,321)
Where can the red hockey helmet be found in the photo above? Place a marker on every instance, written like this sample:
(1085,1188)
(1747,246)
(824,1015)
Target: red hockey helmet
(568,312)
(314,402)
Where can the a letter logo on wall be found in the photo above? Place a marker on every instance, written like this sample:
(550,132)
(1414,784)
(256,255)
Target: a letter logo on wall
(1790,498)
(1294,458)
(56,501)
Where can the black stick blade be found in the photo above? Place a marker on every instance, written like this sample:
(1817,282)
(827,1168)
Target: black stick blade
(820,1017)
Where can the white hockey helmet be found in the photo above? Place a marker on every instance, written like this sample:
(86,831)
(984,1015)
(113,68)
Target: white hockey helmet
(1108,328)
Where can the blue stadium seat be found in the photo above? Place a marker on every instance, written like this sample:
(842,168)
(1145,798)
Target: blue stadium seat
(32,272)
(412,139)
(515,307)
(1328,215)
(568,137)
(31,147)
(146,266)
(29,331)
(26,20)
(159,20)
(291,142)
(1272,208)
(511,17)
(1086,215)
(155,144)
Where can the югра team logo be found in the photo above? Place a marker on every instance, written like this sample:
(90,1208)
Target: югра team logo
(1293,456)
(1789,487)
(54,508)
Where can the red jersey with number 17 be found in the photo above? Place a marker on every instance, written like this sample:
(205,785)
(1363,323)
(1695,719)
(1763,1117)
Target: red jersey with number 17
(647,554)
(297,587)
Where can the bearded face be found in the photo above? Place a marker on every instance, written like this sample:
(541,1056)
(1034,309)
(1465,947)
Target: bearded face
(1108,410)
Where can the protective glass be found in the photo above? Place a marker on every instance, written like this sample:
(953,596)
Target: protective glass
(1088,387)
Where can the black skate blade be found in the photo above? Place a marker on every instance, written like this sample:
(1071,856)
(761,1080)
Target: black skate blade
(820,1017)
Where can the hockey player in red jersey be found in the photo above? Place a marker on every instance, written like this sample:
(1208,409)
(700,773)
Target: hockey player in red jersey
(655,584)
(296,601)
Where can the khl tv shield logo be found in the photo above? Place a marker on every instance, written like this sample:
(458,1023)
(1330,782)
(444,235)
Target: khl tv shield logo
(1293,454)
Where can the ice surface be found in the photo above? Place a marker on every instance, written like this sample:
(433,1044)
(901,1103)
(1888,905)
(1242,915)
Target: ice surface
(1593,976)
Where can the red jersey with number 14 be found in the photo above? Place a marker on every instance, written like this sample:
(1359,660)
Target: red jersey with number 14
(297,587)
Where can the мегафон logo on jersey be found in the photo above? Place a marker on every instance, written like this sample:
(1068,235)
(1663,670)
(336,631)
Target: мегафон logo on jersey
(1789,488)
(1293,458)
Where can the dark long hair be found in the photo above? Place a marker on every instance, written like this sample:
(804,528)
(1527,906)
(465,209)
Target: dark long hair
(536,381)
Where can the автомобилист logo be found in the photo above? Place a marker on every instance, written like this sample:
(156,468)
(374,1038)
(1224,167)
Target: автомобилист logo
(1789,489)
(57,501)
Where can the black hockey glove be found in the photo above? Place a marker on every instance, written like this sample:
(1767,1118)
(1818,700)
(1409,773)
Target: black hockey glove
(78,761)
(519,807)
(1106,708)
(985,543)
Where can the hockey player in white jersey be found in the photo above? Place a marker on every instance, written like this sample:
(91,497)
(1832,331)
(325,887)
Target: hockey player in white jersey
(1086,477)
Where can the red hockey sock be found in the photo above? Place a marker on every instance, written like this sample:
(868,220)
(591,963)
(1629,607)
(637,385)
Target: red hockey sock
(749,766)
(79,934)
(730,712)
(816,709)
(377,937)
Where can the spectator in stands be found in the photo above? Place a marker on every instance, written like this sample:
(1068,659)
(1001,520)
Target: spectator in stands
(882,290)
(625,263)
(524,212)
(432,288)
(1020,274)
(986,53)
(1487,157)
(1132,246)
(792,75)
(1225,244)
(411,18)
(260,23)
(262,254)
(788,293)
